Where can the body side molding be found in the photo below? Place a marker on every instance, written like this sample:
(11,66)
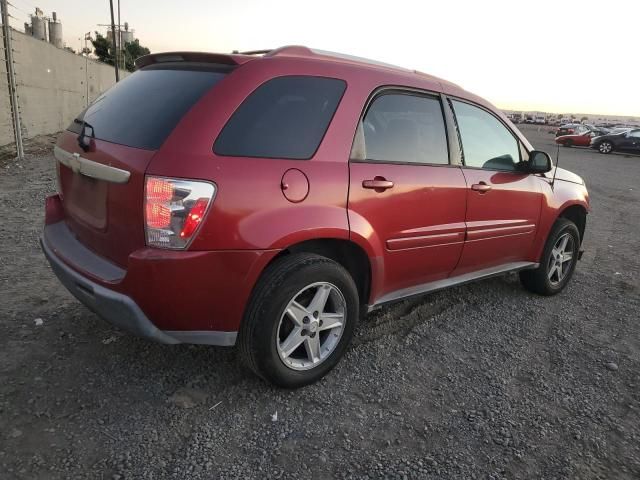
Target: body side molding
(452,281)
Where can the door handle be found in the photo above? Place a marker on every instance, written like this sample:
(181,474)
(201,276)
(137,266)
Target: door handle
(481,187)
(378,184)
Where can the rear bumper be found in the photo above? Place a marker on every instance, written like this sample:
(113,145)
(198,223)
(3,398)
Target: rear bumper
(163,295)
(122,311)
(118,309)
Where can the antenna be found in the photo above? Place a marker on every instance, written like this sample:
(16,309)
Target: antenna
(553,180)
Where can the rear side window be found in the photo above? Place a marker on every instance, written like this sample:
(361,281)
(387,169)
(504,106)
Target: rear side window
(405,128)
(285,117)
(143,109)
(486,142)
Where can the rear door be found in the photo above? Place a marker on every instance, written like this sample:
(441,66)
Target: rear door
(104,154)
(403,186)
(503,204)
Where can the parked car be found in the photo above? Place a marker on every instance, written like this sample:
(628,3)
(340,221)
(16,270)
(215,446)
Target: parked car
(582,137)
(576,140)
(625,141)
(515,117)
(270,201)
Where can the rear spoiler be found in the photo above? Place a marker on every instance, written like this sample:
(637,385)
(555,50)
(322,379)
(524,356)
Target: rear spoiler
(199,57)
(233,59)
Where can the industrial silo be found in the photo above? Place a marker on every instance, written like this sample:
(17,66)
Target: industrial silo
(38,27)
(55,31)
(127,35)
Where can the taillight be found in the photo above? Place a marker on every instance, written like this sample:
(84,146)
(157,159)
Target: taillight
(174,210)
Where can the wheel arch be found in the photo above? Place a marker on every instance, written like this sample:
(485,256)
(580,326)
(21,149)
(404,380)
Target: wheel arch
(348,254)
(577,213)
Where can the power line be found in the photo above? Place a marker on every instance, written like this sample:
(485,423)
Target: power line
(29,4)
(18,8)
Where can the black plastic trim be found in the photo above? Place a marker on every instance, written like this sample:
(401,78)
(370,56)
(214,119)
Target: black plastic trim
(59,238)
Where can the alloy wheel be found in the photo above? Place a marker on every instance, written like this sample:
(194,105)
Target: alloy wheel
(311,326)
(560,259)
(605,147)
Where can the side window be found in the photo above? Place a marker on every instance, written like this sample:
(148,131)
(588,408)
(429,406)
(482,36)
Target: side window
(283,118)
(634,133)
(486,142)
(404,128)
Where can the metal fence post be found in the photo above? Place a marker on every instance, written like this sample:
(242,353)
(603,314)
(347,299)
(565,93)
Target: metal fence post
(11,78)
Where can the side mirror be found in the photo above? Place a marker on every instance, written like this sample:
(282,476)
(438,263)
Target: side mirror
(539,162)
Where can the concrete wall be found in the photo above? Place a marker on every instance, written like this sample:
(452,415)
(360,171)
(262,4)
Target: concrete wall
(52,86)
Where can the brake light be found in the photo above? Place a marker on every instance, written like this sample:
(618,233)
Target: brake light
(174,210)
(194,218)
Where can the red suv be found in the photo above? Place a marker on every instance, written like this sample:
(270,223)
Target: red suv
(268,199)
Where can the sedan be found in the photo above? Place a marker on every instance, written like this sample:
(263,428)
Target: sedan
(628,141)
(577,139)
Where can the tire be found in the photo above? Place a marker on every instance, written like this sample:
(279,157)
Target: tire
(266,326)
(605,147)
(539,280)
(568,143)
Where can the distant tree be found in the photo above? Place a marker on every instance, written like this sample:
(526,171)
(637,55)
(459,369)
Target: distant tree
(70,49)
(584,119)
(133,50)
(102,49)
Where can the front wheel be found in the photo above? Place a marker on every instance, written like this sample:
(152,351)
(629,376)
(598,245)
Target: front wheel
(300,320)
(605,147)
(558,260)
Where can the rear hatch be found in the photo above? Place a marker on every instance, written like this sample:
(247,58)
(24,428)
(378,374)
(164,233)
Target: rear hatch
(103,155)
(565,131)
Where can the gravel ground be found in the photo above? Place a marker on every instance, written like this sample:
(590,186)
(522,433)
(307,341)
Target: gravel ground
(482,381)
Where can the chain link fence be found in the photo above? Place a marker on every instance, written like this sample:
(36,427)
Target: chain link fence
(10,125)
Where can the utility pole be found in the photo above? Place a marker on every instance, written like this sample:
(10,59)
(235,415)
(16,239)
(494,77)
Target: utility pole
(87,36)
(120,36)
(11,77)
(113,39)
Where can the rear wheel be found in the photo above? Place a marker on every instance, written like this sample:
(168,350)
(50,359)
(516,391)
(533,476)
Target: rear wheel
(558,260)
(568,143)
(605,147)
(300,320)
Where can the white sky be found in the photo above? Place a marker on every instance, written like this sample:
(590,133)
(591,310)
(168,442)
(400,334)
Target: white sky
(578,56)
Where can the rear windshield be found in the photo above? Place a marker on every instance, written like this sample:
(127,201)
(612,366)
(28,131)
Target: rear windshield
(283,118)
(143,109)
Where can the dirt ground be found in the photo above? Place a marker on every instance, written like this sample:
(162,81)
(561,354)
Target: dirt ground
(482,381)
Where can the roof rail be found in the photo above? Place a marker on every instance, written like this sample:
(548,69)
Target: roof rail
(302,51)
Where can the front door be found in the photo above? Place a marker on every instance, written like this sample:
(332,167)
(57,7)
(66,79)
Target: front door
(503,204)
(404,192)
